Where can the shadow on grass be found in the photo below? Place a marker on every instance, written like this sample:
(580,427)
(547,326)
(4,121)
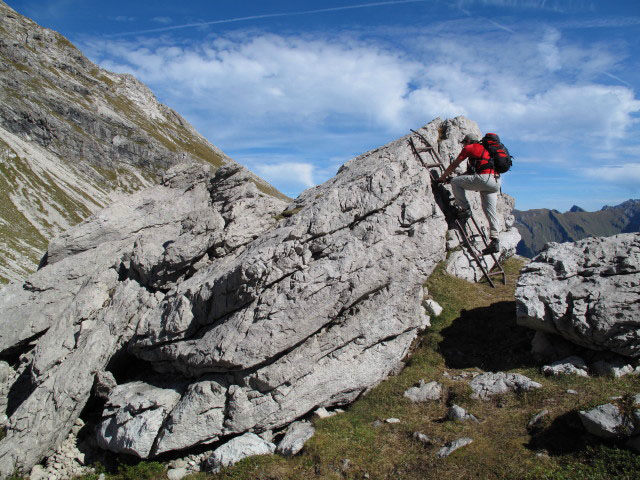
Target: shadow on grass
(563,436)
(487,338)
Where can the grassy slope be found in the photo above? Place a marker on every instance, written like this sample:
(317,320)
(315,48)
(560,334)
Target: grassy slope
(475,333)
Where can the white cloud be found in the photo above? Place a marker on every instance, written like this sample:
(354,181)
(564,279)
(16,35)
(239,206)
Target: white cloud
(326,95)
(626,174)
(286,176)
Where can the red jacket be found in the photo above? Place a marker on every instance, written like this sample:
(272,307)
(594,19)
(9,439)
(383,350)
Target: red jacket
(478,158)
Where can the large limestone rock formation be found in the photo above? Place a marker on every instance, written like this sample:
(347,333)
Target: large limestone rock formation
(221,310)
(587,292)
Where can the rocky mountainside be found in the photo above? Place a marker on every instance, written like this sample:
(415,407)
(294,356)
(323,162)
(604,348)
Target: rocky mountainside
(232,311)
(540,226)
(74,137)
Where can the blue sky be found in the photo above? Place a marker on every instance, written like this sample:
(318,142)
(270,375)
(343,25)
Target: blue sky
(294,89)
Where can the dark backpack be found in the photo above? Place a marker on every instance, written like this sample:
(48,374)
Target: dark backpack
(500,157)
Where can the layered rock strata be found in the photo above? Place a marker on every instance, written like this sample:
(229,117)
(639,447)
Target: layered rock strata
(586,292)
(221,310)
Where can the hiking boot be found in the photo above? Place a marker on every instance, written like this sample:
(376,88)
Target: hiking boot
(463,215)
(493,247)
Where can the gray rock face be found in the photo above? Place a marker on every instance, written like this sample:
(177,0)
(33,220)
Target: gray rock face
(486,385)
(586,292)
(262,318)
(238,448)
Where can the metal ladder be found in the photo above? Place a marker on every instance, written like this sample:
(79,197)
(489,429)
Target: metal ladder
(445,195)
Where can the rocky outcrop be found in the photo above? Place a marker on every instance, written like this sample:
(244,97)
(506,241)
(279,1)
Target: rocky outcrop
(586,292)
(254,312)
(73,138)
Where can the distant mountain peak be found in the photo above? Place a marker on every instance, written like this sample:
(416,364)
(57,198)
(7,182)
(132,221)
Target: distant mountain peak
(576,208)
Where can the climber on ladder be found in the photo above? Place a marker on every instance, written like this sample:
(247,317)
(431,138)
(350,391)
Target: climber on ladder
(480,177)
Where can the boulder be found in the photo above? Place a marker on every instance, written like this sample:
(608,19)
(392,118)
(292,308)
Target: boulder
(586,292)
(233,451)
(133,416)
(258,311)
(607,421)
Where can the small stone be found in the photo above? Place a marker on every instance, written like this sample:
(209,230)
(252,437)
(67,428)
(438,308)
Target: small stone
(537,418)
(457,413)
(177,473)
(392,420)
(433,307)
(572,392)
(451,447)
(323,413)
(102,476)
(422,438)
(345,464)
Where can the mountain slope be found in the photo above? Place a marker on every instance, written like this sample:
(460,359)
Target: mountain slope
(73,137)
(540,226)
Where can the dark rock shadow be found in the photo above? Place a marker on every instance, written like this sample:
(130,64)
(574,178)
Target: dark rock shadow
(487,338)
(565,435)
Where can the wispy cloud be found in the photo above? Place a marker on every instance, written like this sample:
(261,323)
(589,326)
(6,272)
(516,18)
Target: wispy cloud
(325,96)
(265,16)
(547,5)
(627,174)
(163,20)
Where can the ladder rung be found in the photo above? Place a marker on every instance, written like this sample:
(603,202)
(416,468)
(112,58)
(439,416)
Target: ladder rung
(491,274)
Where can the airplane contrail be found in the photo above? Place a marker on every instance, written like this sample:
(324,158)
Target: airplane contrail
(267,15)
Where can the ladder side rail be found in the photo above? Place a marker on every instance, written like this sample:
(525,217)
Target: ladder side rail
(461,229)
